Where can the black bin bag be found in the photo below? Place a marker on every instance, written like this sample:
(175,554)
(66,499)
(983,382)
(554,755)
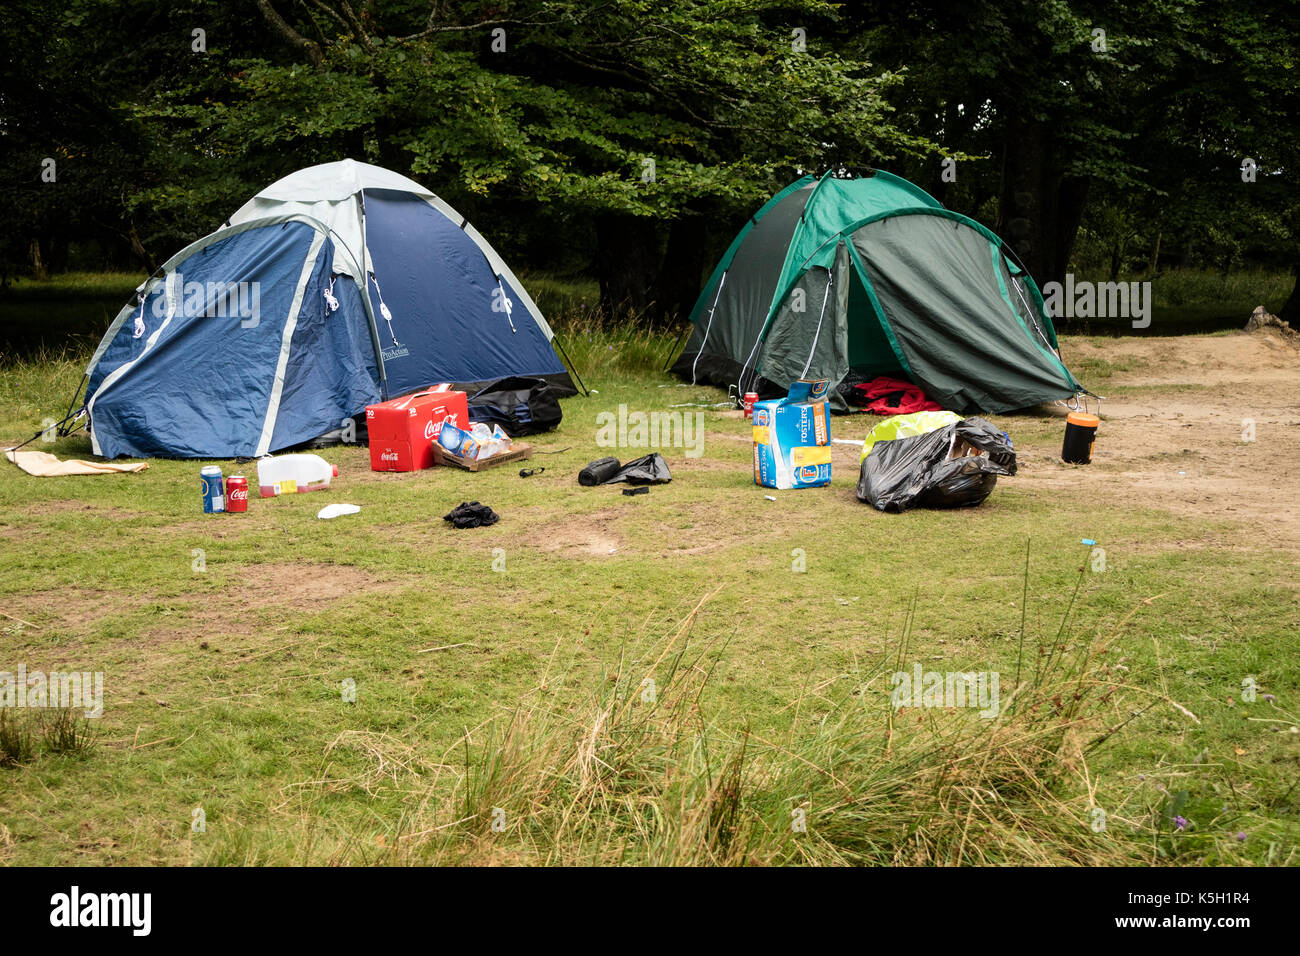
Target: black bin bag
(519,404)
(648,470)
(939,469)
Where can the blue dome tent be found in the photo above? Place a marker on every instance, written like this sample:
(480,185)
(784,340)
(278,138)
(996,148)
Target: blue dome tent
(339,286)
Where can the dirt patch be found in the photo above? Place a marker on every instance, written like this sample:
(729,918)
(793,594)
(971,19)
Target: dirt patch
(303,587)
(593,534)
(690,466)
(267,592)
(73,506)
(698,530)
(1217,435)
(262,588)
(694,528)
(67,609)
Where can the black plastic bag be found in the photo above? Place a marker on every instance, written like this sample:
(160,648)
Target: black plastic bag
(599,471)
(936,470)
(520,405)
(650,470)
(471,514)
(961,482)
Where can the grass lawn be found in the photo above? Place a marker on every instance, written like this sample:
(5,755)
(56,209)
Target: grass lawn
(696,675)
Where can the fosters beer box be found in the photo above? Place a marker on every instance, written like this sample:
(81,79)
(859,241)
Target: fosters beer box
(402,430)
(792,438)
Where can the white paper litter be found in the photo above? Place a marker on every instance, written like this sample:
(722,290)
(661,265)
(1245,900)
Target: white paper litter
(333,511)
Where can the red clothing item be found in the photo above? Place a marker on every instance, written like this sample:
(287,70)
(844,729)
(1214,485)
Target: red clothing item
(893,396)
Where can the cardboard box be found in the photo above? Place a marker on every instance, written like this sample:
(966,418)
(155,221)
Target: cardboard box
(518,452)
(792,438)
(402,430)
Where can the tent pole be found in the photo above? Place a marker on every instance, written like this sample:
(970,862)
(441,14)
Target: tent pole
(57,426)
(365,302)
(718,295)
(830,279)
(573,368)
(84,376)
(673,348)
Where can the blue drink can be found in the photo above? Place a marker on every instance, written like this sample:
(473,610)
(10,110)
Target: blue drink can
(214,498)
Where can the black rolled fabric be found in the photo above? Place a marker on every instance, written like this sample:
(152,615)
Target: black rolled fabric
(599,471)
(471,514)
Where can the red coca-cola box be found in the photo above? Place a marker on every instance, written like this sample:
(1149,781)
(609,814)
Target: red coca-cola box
(402,430)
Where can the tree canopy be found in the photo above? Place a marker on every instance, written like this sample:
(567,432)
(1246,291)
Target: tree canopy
(628,138)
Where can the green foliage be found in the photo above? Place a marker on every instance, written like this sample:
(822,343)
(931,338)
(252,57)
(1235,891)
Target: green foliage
(543,133)
(566,115)
(1155,125)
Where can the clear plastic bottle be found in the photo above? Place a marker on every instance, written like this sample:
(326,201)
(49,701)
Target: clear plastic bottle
(289,474)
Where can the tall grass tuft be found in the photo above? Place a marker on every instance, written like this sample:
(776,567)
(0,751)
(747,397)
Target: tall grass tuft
(15,740)
(636,770)
(63,732)
(601,348)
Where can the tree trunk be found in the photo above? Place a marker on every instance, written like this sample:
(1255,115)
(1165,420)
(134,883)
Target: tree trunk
(38,261)
(140,252)
(1291,309)
(681,275)
(1039,210)
(58,258)
(1071,199)
(1025,213)
(627,263)
(1153,265)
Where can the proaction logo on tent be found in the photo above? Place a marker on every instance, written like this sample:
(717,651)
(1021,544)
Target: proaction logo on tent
(1099,300)
(950,689)
(651,430)
(223,300)
(75,690)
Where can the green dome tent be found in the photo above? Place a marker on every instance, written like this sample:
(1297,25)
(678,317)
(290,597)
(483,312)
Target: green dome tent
(854,278)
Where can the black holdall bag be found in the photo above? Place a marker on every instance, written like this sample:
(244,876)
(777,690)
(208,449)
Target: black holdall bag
(519,404)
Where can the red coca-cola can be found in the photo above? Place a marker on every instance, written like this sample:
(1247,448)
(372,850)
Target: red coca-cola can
(748,403)
(236,493)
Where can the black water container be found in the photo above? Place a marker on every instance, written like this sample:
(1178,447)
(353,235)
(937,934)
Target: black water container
(1080,435)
